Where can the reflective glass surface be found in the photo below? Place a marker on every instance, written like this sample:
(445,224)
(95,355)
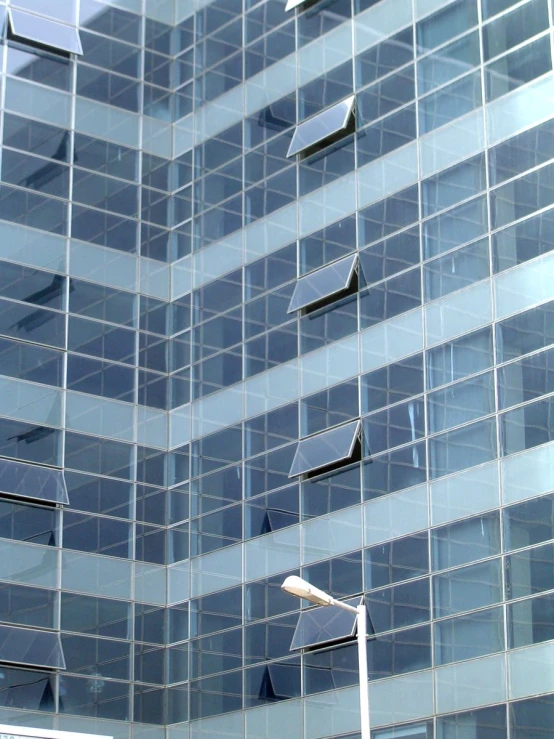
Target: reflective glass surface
(322,284)
(321,126)
(29,481)
(325,449)
(324,625)
(45,32)
(28,647)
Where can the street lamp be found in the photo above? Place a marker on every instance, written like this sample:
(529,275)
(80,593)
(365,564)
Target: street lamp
(302,589)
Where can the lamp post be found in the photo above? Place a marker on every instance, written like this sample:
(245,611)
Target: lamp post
(302,589)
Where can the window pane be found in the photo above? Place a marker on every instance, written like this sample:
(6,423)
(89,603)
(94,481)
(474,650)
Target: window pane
(467,588)
(465,541)
(325,449)
(469,636)
(324,625)
(322,284)
(321,126)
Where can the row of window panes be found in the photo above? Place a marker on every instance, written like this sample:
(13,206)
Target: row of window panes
(462,589)
(446,363)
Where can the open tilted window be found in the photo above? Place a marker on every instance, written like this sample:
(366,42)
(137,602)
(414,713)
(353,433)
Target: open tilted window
(323,128)
(292,4)
(324,625)
(326,449)
(31,647)
(325,283)
(43,32)
(32,482)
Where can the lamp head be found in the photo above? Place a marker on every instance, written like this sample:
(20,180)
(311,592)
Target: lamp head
(297,586)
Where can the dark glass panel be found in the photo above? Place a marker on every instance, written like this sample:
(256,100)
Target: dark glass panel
(521,152)
(530,571)
(103,658)
(28,606)
(98,456)
(385,57)
(462,448)
(402,605)
(101,302)
(326,245)
(29,443)
(99,494)
(394,426)
(394,471)
(531,621)
(341,576)
(467,588)
(484,723)
(265,598)
(459,543)
(273,682)
(97,534)
(528,523)
(513,28)
(395,561)
(456,359)
(97,616)
(28,690)
(266,640)
(93,696)
(272,512)
(392,383)
(399,652)
(268,471)
(216,612)
(527,427)
(467,637)
(331,492)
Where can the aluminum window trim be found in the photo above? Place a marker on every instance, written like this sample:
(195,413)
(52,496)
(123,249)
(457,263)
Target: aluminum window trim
(356,431)
(306,279)
(17,16)
(297,145)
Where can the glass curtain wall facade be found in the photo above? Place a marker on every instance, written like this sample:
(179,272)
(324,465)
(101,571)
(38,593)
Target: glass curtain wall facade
(277,297)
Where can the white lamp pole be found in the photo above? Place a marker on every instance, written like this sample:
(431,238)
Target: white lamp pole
(302,589)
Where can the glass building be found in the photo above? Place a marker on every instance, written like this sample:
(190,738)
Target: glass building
(277,298)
